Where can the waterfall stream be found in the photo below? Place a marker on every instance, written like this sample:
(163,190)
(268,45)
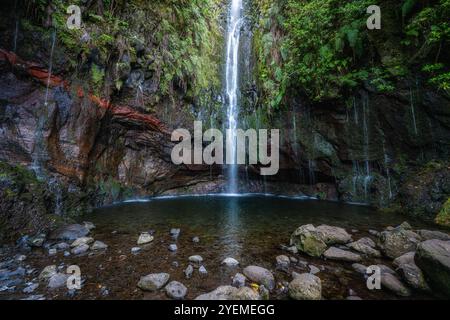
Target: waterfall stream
(232,70)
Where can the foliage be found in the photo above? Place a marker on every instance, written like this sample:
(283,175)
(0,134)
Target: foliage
(177,43)
(324,48)
(443,217)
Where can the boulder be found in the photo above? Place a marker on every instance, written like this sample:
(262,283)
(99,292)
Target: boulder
(261,276)
(385,269)
(430,235)
(47,272)
(359,268)
(333,235)
(305,287)
(37,241)
(99,245)
(433,258)
(58,280)
(398,241)
(245,293)
(407,258)
(176,290)
(82,240)
(308,240)
(88,225)
(365,246)
(282,262)
(413,276)
(153,281)
(392,283)
(220,293)
(334,253)
(80,249)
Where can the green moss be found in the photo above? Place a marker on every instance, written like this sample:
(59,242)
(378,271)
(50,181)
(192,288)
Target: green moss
(443,218)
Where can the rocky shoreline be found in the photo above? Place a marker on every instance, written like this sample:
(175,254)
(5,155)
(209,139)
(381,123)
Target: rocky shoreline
(411,263)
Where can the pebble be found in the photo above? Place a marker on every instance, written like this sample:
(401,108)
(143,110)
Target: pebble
(57,280)
(313,269)
(20,257)
(80,249)
(173,247)
(144,238)
(176,290)
(99,245)
(196,259)
(238,280)
(62,246)
(82,240)
(31,287)
(153,281)
(202,270)
(195,239)
(188,272)
(175,233)
(135,250)
(230,262)
(52,252)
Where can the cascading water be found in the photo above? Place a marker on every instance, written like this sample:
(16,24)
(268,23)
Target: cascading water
(40,148)
(413,113)
(368,177)
(232,69)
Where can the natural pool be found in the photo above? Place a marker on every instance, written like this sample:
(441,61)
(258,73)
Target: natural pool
(249,228)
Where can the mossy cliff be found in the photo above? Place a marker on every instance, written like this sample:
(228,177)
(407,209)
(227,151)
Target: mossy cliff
(364,109)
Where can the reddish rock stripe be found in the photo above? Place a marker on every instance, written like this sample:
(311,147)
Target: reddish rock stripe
(42,75)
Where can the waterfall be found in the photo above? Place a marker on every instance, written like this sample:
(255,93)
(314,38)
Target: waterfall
(232,62)
(40,153)
(50,66)
(16,33)
(368,177)
(413,113)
